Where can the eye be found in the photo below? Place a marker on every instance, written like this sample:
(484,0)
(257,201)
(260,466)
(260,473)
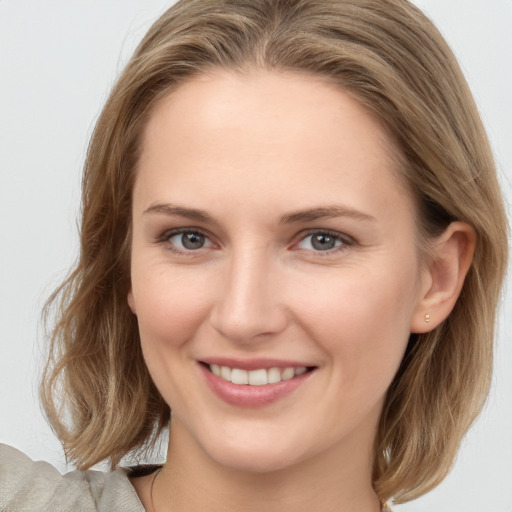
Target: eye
(188,240)
(323,241)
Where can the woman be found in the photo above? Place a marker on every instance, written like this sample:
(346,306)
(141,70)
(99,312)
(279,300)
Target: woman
(290,193)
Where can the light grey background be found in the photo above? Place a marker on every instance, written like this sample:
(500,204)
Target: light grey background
(58,60)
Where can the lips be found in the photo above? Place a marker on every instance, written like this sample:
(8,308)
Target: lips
(254,383)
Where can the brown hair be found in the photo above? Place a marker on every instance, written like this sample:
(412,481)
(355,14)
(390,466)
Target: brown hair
(96,389)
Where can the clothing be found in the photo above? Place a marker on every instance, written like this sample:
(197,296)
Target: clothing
(26,485)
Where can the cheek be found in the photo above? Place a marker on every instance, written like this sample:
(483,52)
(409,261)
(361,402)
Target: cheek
(361,320)
(170,306)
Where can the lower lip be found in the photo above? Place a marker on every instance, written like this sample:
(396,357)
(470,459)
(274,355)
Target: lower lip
(245,395)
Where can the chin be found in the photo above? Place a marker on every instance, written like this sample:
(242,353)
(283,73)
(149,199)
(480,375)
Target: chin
(249,460)
(254,452)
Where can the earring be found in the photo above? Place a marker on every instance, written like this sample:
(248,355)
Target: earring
(427,318)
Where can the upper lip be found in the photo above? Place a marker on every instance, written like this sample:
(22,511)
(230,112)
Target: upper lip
(254,364)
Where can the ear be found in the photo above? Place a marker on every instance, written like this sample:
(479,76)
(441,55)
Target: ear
(131,302)
(444,276)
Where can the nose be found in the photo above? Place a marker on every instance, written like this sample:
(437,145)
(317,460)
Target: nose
(249,303)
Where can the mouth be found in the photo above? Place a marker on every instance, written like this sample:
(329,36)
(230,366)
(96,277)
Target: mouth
(254,383)
(257,376)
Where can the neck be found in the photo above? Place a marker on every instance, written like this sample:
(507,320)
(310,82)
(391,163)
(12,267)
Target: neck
(191,481)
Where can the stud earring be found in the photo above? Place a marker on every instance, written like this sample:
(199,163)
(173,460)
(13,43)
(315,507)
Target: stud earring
(427,318)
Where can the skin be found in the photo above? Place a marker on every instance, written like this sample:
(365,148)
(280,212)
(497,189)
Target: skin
(249,150)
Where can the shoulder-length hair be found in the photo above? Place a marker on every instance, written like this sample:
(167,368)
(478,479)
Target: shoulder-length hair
(96,388)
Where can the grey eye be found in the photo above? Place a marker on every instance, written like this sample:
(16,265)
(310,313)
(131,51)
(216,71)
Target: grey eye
(192,240)
(320,241)
(189,241)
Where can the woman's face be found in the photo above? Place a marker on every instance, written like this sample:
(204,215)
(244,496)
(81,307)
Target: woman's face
(273,242)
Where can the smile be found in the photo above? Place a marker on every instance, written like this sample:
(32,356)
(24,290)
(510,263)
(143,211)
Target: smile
(258,377)
(255,383)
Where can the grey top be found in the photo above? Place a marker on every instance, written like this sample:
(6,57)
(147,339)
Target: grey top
(26,485)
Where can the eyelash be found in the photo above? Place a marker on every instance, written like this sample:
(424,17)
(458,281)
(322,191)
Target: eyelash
(346,241)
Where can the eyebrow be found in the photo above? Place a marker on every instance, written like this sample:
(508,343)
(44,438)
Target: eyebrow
(325,212)
(308,215)
(180,211)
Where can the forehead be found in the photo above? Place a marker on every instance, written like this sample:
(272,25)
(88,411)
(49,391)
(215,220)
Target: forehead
(263,99)
(263,131)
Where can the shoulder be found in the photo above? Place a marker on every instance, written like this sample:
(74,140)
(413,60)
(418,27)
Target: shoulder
(37,486)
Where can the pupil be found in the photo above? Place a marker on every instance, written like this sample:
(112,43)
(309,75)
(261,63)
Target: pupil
(323,242)
(192,240)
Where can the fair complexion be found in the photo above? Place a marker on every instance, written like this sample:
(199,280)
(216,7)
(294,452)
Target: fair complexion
(271,228)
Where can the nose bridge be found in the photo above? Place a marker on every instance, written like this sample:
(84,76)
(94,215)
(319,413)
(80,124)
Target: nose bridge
(249,302)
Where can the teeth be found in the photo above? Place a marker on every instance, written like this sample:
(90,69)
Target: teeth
(288,373)
(225,373)
(273,375)
(256,377)
(239,376)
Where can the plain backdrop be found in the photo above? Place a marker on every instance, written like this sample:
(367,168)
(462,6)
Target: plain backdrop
(58,60)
